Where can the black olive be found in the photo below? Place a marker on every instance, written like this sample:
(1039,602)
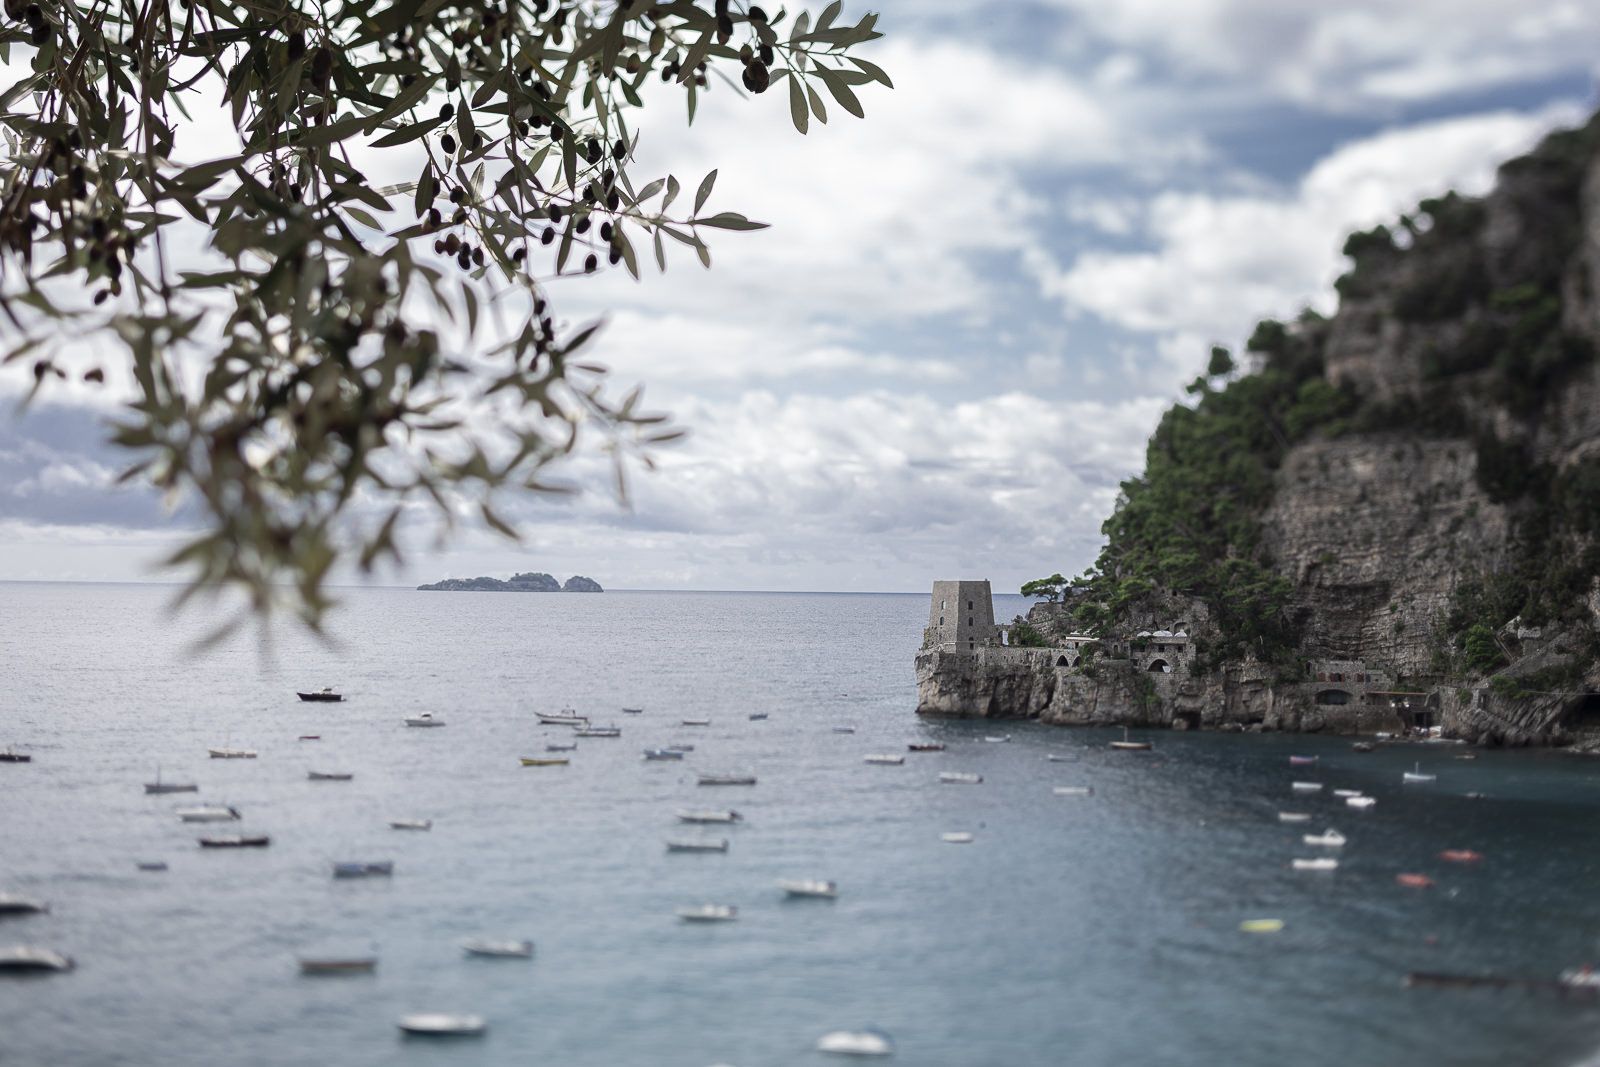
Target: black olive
(583,225)
(590,263)
(756,77)
(448,111)
(448,143)
(548,235)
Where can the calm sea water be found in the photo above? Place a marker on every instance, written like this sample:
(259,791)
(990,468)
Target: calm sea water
(1087,931)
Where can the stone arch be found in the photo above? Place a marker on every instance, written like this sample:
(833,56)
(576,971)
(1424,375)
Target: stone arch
(1333,696)
(1061,661)
(1159,666)
(1186,720)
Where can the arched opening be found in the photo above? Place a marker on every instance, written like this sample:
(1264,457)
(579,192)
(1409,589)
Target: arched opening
(1061,661)
(1186,720)
(1585,712)
(1077,661)
(1333,696)
(1159,666)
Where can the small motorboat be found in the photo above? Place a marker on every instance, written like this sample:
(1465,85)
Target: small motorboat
(329,776)
(757,716)
(957,837)
(565,717)
(997,740)
(363,870)
(160,787)
(959,778)
(681,748)
(337,964)
(709,913)
(1414,776)
(1329,838)
(697,722)
(326,693)
(633,711)
(1346,793)
(1363,746)
(710,816)
(926,746)
(151,865)
(1130,746)
(1306,787)
(1473,796)
(1361,803)
(1302,761)
(33,958)
(1261,926)
(440,1024)
(1322,864)
(236,841)
(1467,755)
(663,753)
(868,1042)
(309,737)
(11,755)
(719,845)
(506,950)
(232,753)
(597,731)
(535,761)
(1294,816)
(726,779)
(882,758)
(1415,881)
(810,887)
(12,904)
(570,746)
(844,729)
(411,824)
(208,813)
(1585,976)
(1461,855)
(1073,791)
(424,719)
(1056,757)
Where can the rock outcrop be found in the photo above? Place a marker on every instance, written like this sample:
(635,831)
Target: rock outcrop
(517,583)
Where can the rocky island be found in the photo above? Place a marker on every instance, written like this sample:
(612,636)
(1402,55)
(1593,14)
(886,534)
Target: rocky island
(1386,520)
(517,583)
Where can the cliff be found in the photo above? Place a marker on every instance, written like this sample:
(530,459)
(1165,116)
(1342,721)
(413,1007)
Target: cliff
(1390,521)
(517,583)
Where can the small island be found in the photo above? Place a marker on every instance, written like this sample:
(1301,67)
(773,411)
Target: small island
(517,583)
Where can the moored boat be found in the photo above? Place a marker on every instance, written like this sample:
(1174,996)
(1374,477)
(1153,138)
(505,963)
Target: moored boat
(232,753)
(565,717)
(1321,864)
(337,964)
(1329,838)
(844,729)
(33,958)
(569,746)
(160,787)
(1302,761)
(709,913)
(1130,746)
(697,722)
(11,755)
(1306,787)
(329,776)
(325,694)
(883,758)
(1414,881)
(1360,802)
(959,778)
(411,824)
(998,740)
(209,813)
(926,746)
(1346,793)
(151,865)
(236,841)
(597,731)
(868,1042)
(1415,776)
(363,870)
(501,949)
(1363,746)
(663,753)
(1073,791)
(423,719)
(681,845)
(1461,855)
(726,779)
(554,761)
(633,711)
(757,716)
(1294,816)
(13,904)
(441,1024)
(956,837)
(709,816)
(810,887)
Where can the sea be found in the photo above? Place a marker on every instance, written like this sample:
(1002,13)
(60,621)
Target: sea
(1086,930)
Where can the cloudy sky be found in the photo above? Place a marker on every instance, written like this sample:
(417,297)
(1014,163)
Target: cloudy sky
(972,307)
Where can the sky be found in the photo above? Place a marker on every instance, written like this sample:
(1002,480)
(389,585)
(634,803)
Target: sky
(971,308)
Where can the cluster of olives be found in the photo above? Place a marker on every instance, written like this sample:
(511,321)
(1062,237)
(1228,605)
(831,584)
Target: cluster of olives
(39,28)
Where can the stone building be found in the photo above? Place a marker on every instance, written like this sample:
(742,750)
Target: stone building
(961,617)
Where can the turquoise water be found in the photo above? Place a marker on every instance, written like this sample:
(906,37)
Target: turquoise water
(1083,930)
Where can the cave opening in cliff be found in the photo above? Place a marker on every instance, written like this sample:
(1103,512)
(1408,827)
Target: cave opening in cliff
(1585,712)
(1333,696)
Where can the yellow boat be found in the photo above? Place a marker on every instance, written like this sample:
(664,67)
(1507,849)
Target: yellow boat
(527,762)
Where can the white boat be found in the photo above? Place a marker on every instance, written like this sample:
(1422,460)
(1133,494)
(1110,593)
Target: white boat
(1130,745)
(680,845)
(1073,791)
(697,722)
(882,758)
(570,746)
(1321,864)
(709,913)
(424,719)
(1306,787)
(232,753)
(1360,802)
(33,958)
(565,717)
(1413,776)
(411,824)
(726,779)
(1585,976)
(1294,816)
(710,816)
(1346,793)
(663,753)
(959,778)
(1054,758)
(597,731)
(440,1024)
(868,1042)
(362,870)
(477,946)
(998,740)
(329,776)
(12,904)
(209,813)
(959,837)
(1329,838)
(810,887)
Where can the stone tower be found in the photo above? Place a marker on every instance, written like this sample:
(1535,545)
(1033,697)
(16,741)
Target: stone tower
(962,616)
